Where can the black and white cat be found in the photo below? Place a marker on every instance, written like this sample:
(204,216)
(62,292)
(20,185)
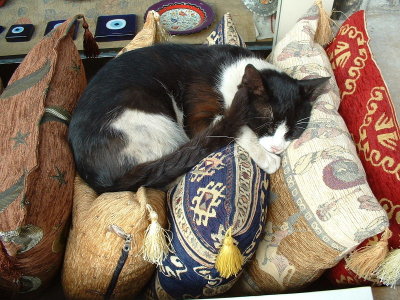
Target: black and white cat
(151,114)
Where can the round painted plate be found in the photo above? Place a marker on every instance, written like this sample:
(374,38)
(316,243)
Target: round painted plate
(262,7)
(183,17)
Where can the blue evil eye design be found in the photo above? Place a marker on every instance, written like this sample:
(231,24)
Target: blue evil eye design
(17,29)
(55,26)
(116,24)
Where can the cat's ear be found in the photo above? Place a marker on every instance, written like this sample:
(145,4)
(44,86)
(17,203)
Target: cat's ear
(313,87)
(252,80)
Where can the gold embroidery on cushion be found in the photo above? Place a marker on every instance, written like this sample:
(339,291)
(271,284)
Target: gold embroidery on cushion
(388,140)
(208,167)
(392,210)
(180,268)
(387,134)
(206,200)
(341,55)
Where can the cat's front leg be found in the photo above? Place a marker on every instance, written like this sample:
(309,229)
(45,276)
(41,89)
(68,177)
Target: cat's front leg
(266,160)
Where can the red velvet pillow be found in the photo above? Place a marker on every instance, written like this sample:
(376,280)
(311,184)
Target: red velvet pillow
(369,114)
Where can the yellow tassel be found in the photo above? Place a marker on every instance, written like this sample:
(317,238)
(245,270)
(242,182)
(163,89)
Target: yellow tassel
(324,33)
(365,261)
(155,244)
(229,260)
(389,270)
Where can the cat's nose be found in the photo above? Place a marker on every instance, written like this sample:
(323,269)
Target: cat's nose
(276,149)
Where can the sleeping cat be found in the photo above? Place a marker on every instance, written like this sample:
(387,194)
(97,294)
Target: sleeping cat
(150,115)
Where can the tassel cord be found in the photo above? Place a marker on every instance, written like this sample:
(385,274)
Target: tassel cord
(121,261)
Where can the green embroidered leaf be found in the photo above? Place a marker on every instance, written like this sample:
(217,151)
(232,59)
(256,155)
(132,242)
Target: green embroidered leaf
(28,284)
(12,193)
(29,236)
(26,82)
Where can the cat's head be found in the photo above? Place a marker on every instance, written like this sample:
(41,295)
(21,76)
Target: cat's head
(280,106)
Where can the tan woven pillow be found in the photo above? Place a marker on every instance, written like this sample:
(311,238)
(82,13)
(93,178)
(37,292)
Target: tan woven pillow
(93,249)
(316,215)
(37,169)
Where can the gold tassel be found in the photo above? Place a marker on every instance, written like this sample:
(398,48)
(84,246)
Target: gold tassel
(365,261)
(155,243)
(324,33)
(229,260)
(389,270)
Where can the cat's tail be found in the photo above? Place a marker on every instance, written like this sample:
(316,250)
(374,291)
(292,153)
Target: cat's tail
(161,172)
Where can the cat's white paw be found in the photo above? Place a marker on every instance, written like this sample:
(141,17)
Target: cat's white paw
(266,160)
(269,162)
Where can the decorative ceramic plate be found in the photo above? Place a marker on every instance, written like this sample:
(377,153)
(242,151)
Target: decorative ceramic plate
(261,7)
(183,17)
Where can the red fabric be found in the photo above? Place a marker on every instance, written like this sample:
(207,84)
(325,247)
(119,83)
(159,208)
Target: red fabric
(2,2)
(369,114)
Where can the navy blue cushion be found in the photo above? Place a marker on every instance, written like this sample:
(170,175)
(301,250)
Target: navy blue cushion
(224,190)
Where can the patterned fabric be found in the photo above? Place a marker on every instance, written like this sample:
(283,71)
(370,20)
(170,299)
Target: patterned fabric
(224,190)
(369,114)
(225,33)
(322,206)
(37,169)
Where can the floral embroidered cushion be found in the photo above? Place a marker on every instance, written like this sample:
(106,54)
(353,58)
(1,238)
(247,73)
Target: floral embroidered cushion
(37,168)
(321,204)
(368,111)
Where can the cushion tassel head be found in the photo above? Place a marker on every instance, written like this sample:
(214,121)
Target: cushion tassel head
(388,271)
(90,47)
(364,261)
(155,243)
(229,260)
(324,34)
(151,33)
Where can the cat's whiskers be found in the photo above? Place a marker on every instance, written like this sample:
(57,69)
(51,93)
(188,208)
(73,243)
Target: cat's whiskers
(306,118)
(220,136)
(301,124)
(263,125)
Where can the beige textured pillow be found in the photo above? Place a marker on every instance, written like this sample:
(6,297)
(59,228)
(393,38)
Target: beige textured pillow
(316,215)
(94,251)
